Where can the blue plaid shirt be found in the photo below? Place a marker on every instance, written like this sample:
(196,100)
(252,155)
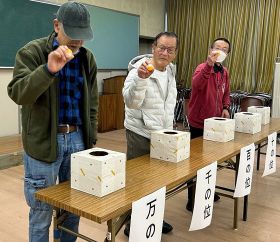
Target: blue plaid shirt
(70,91)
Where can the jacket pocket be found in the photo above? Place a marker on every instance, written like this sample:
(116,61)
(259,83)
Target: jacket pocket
(25,117)
(152,122)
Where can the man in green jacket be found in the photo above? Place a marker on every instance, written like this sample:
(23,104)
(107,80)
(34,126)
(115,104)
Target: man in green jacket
(54,80)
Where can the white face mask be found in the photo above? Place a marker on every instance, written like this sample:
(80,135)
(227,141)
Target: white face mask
(222,55)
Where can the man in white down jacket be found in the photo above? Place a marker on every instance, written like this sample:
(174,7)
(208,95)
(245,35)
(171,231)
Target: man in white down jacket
(150,96)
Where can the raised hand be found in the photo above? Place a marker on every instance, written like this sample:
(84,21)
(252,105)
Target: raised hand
(212,58)
(58,58)
(145,70)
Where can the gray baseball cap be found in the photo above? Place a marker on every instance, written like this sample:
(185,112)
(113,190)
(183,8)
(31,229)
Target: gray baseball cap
(75,19)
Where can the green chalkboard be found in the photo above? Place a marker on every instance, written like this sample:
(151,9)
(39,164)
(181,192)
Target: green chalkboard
(116,34)
(22,21)
(116,37)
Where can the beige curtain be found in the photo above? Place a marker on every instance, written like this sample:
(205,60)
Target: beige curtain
(267,43)
(250,25)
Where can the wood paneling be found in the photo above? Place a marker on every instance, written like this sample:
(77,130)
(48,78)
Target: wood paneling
(107,112)
(115,85)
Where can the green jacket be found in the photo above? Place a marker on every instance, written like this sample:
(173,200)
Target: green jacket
(36,90)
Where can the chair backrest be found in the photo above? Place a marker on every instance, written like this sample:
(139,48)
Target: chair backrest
(187,106)
(266,97)
(250,101)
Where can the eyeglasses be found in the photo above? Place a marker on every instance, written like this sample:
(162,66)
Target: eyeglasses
(225,50)
(170,50)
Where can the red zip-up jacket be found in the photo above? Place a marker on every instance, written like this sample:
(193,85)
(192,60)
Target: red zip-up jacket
(210,94)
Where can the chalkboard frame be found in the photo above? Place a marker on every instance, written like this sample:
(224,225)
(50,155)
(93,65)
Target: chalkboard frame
(116,34)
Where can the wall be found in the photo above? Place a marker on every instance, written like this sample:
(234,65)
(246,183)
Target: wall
(145,46)
(276,90)
(8,109)
(151,12)
(151,23)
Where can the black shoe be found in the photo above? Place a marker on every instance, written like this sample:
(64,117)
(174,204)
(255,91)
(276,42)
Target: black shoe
(127,229)
(189,206)
(166,227)
(216,197)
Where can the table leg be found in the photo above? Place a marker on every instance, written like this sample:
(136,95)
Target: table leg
(59,217)
(114,226)
(245,208)
(258,156)
(56,230)
(111,234)
(235,219)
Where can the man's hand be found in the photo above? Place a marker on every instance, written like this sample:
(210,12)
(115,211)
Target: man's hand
(58,58)
(225,113)
(212,58)
(145,70)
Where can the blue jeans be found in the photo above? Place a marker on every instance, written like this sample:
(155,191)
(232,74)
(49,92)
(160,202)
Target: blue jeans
(40,175)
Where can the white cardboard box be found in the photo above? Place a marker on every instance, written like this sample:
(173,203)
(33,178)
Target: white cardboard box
(264,111)
(247,122)
(170,145)
(98,171)
(219,129)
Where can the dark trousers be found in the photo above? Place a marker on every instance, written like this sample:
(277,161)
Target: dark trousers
(137,145)
(195,132)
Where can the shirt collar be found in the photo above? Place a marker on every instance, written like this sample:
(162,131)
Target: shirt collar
(55,43)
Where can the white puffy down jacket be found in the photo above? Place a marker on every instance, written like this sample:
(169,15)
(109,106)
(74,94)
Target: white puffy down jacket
(145,107)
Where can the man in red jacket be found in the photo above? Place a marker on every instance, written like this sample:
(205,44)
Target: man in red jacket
(210,95)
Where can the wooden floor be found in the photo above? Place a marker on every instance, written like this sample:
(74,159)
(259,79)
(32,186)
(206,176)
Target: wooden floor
(263,216)
(10,144)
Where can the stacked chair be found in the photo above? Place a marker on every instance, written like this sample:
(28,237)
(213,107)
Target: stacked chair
(180,112)
(235,100)
(240,101)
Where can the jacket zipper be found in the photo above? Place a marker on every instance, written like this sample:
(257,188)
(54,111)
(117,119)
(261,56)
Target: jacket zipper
(217,95)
